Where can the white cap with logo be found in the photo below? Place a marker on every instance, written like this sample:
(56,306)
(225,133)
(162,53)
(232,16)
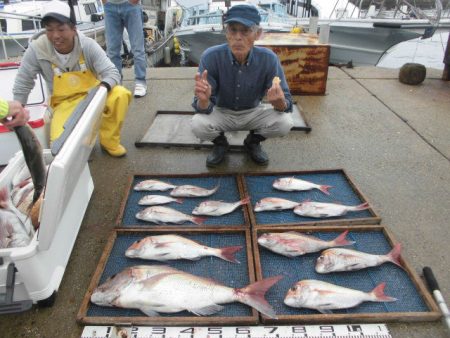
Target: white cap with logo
(57,10)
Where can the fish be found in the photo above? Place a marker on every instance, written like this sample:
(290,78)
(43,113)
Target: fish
(324,297)
(168,247)
(192,191)
(218,208)
(332,260)
(292,244)
(174,291)
(15,231)
(32,152)
(153,185)
(164,215)
(21,191)
(320,210)
(296,184)
(274,203)
(158,200)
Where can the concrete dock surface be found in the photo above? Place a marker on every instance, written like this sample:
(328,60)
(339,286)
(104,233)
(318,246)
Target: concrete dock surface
(392,139)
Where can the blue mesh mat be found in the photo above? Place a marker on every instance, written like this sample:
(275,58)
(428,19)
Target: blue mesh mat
(229,274)
(398,283)
(228,192)
(260,186)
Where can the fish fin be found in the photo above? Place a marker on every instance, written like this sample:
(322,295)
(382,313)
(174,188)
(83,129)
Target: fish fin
(149,312)
(379,296)
(179,200)
(325,311)
(253,295)
(324,189)
(198,220)
(394,255)
(227,253)
(362,206)
(342,241)
(207,310)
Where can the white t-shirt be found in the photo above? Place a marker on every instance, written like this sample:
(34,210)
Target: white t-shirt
(63,58)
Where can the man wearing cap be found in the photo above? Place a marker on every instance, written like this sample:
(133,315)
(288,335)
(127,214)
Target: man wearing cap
(71,65)
(231,82)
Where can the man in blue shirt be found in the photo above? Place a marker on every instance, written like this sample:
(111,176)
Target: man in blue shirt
(232,80)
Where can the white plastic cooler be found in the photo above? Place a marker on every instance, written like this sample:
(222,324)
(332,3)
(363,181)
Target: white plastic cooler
(37,105)
(41,265)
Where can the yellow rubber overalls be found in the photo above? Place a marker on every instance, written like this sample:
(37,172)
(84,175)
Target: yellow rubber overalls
(69,88)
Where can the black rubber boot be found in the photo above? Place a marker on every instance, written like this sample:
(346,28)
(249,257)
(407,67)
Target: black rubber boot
(219,150)
(253,147)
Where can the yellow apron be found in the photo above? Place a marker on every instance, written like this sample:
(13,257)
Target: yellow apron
(69,88)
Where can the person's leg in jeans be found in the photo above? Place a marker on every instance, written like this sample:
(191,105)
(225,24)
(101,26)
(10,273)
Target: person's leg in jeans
(134,25)
(114,33)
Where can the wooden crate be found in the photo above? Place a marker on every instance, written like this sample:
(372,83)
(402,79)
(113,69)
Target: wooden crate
(414,302)
(113,261)
(304,60)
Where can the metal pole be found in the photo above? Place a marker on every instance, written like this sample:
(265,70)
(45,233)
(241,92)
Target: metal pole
(446,72)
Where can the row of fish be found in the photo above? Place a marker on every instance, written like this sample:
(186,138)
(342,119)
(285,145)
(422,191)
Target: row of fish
(292,244)
(218,208)
(163,289)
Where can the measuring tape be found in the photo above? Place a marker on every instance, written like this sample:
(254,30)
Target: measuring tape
(269,331)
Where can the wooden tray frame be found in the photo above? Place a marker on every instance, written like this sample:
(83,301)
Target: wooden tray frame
(432,315)
(145,320)
(241,192)
(344,221)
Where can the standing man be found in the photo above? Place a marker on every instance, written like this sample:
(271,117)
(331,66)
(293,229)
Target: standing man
(71,65)
(13,114)
(232,80)
(120,14)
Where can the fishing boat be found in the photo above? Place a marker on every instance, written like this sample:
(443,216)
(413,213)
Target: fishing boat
(20,20)
(360,31)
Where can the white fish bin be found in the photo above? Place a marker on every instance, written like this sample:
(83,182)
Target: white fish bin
(41,264)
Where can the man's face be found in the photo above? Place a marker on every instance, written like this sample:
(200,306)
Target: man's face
(61,35)
(241,39)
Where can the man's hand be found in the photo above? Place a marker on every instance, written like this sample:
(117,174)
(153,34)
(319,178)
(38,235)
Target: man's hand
(17,116)
(275,95)
(202,90)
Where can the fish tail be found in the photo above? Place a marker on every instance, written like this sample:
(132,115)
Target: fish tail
(253,295)
(179,200)
(362,206)
(379,296)
(394,255)
(324,189)
(198,220)
(245,200)
(341,240)
(228,252)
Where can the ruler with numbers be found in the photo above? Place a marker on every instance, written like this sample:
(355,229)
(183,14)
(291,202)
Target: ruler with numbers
(269,331)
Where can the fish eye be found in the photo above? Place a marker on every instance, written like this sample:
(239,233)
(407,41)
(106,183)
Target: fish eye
(294,288)
(320,258)
(138,241)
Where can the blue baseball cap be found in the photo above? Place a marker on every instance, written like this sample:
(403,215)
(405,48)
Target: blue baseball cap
(247,15)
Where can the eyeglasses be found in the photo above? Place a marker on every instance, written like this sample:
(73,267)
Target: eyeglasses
(245,31)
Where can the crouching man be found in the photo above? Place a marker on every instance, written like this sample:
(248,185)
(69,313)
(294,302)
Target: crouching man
(232,80)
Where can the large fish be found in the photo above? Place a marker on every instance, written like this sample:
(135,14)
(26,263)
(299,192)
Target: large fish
(320,210)
(15,231)
(158,200)
(168,247)
(153,185)
(274,203)
(192,191)
(332,260)
(324,297)
(218,208)
(175,291)
(32,152)
(292,244)
(164,215)
(296,184)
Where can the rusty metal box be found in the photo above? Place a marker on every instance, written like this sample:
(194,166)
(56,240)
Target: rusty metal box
(303,58)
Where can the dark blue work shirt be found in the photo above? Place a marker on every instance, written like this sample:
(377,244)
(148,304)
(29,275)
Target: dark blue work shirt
(239,87)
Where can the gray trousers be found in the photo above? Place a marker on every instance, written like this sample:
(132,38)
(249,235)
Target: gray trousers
(263,119)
